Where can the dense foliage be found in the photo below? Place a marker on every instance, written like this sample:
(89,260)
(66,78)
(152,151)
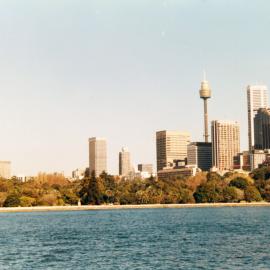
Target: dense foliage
(54,189)
(44,190)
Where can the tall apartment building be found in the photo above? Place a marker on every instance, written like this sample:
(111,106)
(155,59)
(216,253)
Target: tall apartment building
(124,162)
(262,129)
(225,143)
(97,155)
(257,97)
(5,169)
(145,168)
(199,154)
(171,146)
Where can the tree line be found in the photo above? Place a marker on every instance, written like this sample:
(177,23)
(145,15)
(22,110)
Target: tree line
(55,189)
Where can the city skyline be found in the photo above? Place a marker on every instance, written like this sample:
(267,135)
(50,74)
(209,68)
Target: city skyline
(102,69)
(134,134)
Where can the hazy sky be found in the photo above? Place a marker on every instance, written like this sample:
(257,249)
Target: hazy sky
(121,69)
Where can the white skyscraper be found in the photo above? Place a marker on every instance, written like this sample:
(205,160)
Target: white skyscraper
(257,97)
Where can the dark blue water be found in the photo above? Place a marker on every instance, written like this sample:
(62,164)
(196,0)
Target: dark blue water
(209,238)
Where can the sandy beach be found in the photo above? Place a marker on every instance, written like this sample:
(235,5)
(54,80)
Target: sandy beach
(117,207)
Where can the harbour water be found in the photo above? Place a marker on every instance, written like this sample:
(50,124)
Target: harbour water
(193,238)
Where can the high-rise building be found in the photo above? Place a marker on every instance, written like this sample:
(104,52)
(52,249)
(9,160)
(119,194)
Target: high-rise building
(199,154)
(225,143)
(171,146)
(5,169)
(257,97)
(124,162)
(205,94)
(262,129)
(145,168)
(97,155)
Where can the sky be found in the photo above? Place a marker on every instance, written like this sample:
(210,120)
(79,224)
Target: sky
(121,69)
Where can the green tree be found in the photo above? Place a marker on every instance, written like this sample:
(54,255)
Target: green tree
(230,194)
(213,176)
(4,187)
(27,201)
(228,174)
(170,197)
(252,194)
(142,197)
(3,196)
(126,197)
(261,173)
(265,192)
(69,196)
(239,182)
(12,200)
(110,187)
(92,190)
(49,199)
(210,192)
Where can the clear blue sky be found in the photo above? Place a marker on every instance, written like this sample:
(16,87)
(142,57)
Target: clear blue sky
(121,69)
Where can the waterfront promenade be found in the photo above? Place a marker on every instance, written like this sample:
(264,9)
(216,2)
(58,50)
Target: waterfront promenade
(117,207)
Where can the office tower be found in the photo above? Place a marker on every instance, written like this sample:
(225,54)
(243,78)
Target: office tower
(5,169)
(262,129)
(225,143)
(124,162)
(205,94)
(199,154)
(97,155)
(171,146)
(145,168)
(257,97)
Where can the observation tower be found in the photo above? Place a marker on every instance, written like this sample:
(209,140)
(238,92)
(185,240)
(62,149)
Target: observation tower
(205,94)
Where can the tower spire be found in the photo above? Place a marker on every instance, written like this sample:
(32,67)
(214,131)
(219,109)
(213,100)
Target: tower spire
(204,75)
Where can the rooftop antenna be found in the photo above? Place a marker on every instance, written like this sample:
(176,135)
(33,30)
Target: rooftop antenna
(204,75)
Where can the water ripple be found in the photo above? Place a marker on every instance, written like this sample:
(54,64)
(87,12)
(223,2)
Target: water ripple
(210,238)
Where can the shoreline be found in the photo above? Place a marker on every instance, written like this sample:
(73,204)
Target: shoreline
(122,207)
